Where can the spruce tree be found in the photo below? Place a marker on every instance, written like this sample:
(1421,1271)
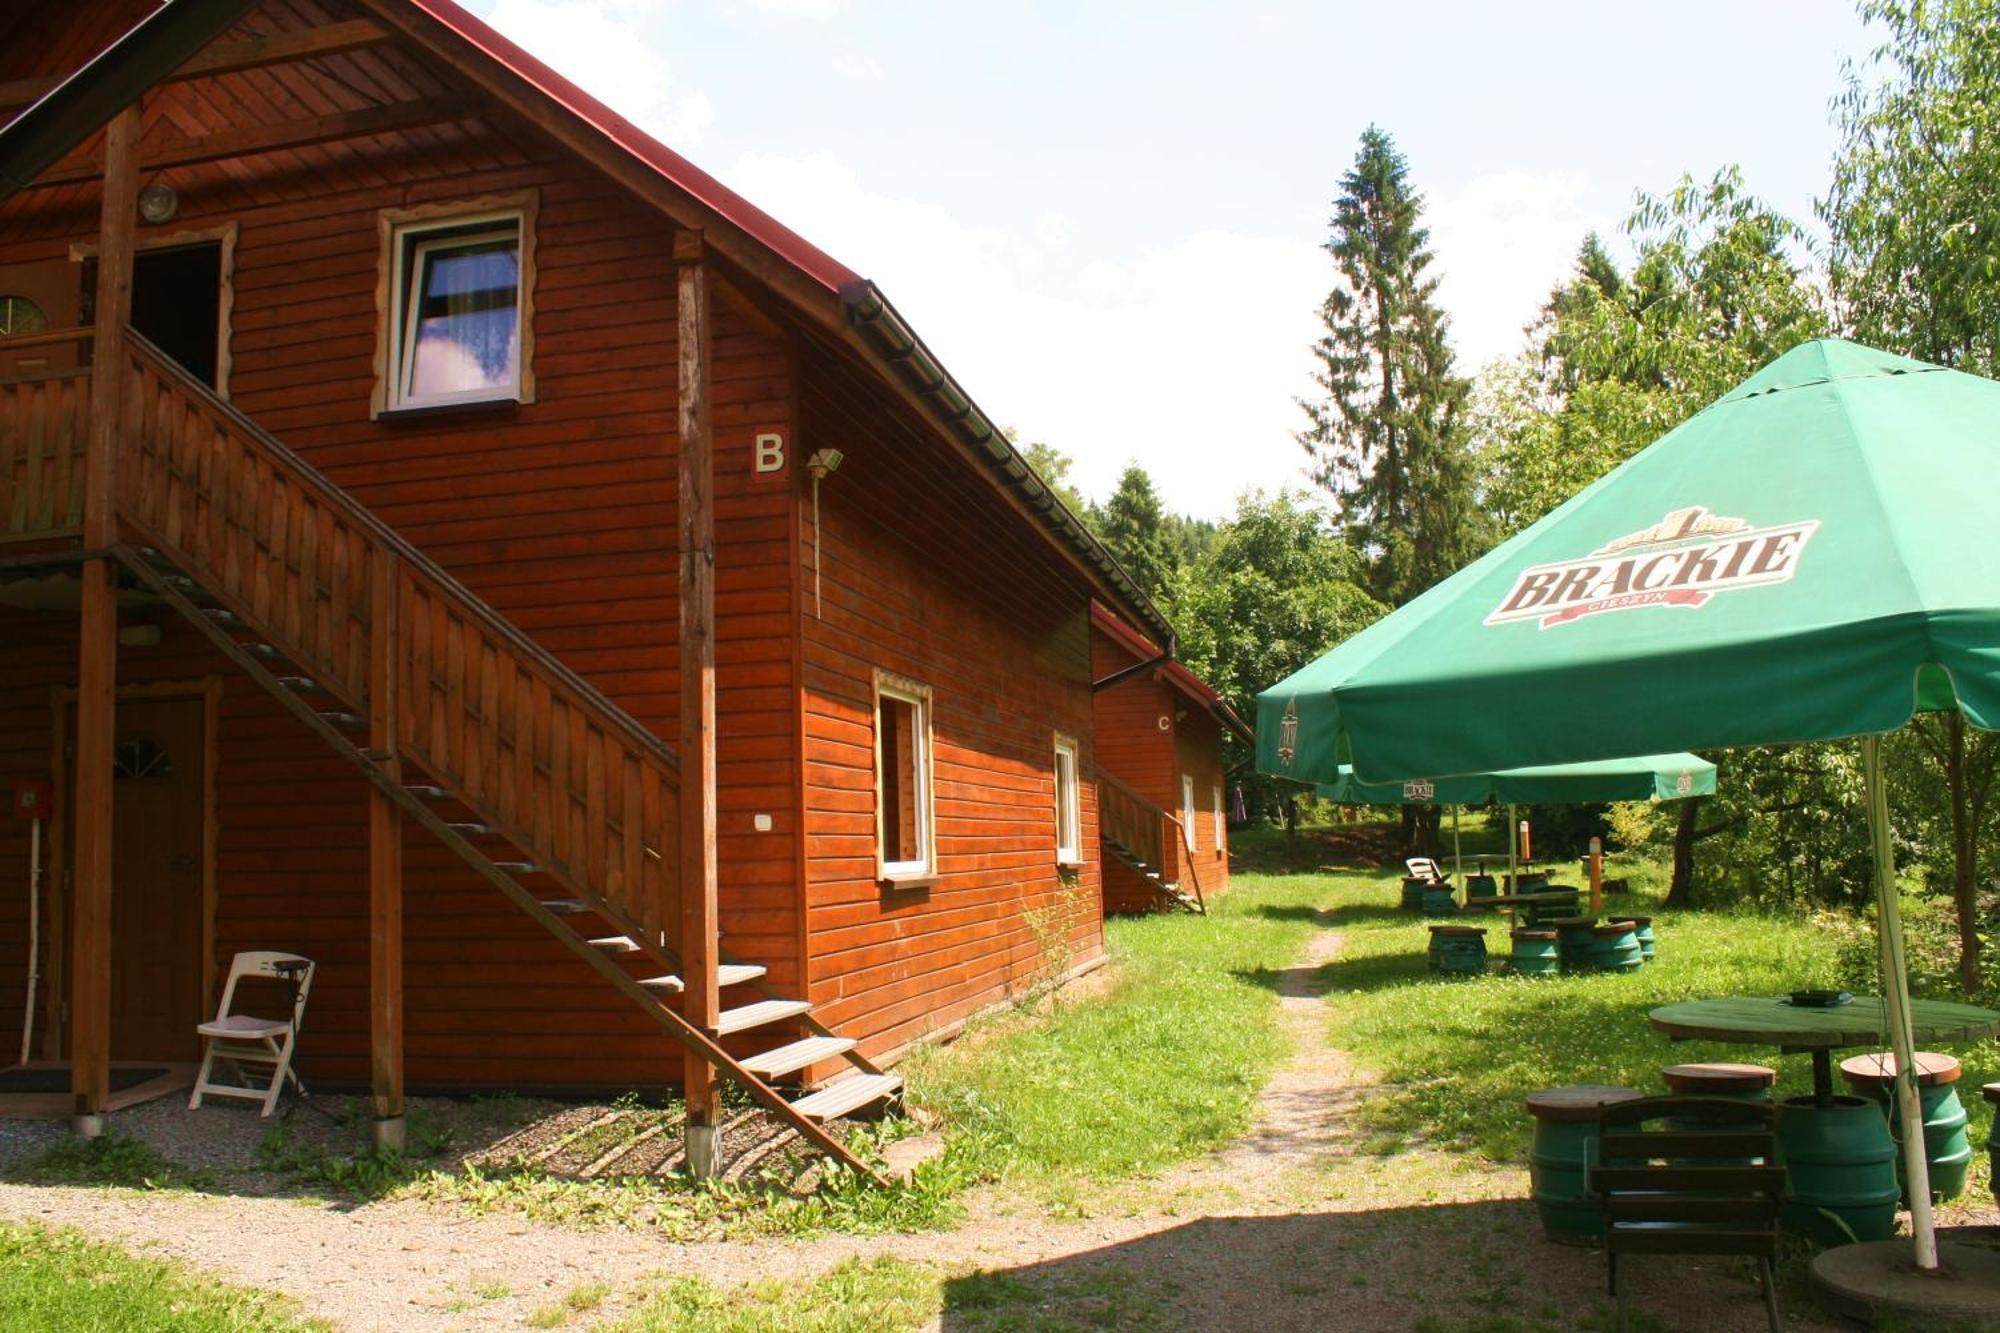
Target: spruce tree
(1388,439)
(1134,530)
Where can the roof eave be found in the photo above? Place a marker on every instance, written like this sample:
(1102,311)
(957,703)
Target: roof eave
(892,339)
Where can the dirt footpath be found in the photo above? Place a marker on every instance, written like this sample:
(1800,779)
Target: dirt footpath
(1292,1227)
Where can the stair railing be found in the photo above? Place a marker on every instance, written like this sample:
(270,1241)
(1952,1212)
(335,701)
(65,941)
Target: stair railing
(1129,820)
(540,755)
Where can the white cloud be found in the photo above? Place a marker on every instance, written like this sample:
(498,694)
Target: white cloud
(859,68)
(811,9)
(1185,357)
(611,48)
(1502,241)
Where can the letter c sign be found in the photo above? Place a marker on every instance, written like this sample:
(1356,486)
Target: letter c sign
(768,454)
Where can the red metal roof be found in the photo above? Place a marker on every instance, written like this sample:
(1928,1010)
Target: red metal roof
(795,249)
(1177,673)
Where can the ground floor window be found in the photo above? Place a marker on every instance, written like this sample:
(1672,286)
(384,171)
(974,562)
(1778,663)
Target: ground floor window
(1187,809)
(903,832)
(1216,792)
(1069,806)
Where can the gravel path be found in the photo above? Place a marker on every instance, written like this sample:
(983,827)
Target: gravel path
(1293,1227)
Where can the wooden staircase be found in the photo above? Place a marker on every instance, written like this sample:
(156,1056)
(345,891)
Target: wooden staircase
(554,795)
(1140,833)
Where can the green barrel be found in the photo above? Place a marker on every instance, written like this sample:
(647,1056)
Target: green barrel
(1537,954)
(1458,951)
(1438,900)
(1577,938)
(1413,894)
(1615,948)
(1840,1170)
(1947,1149)
(1531,881)
(1559,1157)
(1480,886)
(1642,926)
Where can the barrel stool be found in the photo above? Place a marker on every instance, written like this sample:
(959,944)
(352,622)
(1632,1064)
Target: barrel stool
(1738,1082)
(1559,1159)
(1536,954)
(1721,1079)
(1577,936)
(1642,926)
(1946,1149)
(1458,951)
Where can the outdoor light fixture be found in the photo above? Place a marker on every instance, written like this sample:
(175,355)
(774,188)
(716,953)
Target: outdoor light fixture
(159,203)
(823,464)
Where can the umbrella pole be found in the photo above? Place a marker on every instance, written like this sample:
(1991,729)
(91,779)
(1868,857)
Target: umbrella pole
(1458,857)
(1896,995)
(1513,845)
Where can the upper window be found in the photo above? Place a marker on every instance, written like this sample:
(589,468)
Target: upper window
(457,331)
(1069,807)
(903,835)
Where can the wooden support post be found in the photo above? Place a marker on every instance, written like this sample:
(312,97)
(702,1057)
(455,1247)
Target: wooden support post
(698,938)
(97,647)
(385,861)
(1596,876)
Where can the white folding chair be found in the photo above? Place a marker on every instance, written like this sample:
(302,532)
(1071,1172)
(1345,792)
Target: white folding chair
(1422,867)
(244,1042)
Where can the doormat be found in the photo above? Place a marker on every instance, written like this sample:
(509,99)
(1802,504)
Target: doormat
(56,1078)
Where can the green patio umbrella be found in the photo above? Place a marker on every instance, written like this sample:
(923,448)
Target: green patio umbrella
(1650,777)
(1811,557)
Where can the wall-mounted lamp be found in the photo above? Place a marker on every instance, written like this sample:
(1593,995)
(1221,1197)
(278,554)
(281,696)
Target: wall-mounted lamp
(159,203)
(823,464)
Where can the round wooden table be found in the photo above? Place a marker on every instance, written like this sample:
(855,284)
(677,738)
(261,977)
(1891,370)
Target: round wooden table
(1775,1021)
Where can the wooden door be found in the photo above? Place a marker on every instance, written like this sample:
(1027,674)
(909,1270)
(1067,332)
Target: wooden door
(157,824)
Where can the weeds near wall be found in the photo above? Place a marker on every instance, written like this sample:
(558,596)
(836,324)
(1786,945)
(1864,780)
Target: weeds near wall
(1053,926)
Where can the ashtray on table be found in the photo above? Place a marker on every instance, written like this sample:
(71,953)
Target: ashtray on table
(1820,999)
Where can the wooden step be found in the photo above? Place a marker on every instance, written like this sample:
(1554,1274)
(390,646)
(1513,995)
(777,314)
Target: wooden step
(790,1059)
(469,829)
(567,906)
(760,1014)
(847,1093)
(303,685)
(729,974)
(517,867)
(616,944)
(425,792)
(344,720)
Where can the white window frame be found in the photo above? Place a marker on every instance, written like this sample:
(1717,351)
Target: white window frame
(1069,804)
(395,330)
(924,866)
(1187,810)
(1220,826)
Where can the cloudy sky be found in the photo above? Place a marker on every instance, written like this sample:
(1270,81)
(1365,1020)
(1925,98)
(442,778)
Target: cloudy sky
(1105,217)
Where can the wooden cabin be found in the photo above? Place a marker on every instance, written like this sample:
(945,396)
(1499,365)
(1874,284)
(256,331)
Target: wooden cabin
(446,534)
(1163,804)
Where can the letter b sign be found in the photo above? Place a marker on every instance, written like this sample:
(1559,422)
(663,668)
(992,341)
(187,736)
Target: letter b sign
(768,454)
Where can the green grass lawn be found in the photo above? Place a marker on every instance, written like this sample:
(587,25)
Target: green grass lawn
(1460,1055)
(1164,1068)
(52,1279)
